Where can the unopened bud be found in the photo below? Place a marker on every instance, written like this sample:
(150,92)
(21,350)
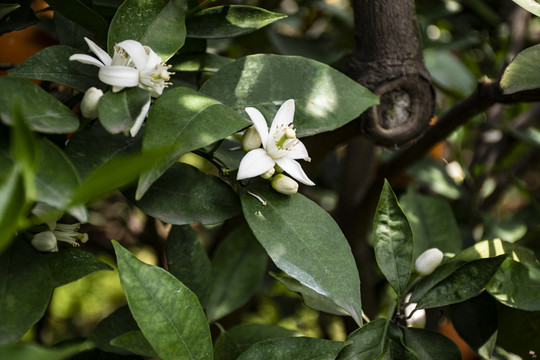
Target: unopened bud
(251,139)
(418,317)
(284,184)
(428,261)
(89,103)
(44,241)
(269,173)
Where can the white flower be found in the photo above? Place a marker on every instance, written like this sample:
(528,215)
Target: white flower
(428,261)
(280,146)
(89,103)
(131,65)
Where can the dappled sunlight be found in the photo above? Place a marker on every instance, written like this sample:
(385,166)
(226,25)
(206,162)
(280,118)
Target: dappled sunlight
(317,103)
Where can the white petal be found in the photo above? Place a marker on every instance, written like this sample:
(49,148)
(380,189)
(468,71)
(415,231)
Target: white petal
(260,124)
(298,151)
(140,119)
(293,168)
(136,51)
(254,163)
(284,117)
(153,59)
(119,76)
(86,59)
(100,53)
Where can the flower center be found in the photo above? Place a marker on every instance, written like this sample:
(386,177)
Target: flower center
(288,139)
(161,74)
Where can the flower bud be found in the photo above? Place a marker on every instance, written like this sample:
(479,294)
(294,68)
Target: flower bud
(251,139)
(89,103)
(44,241)
(284,184)
(269,173)
(418,317)
(428,261)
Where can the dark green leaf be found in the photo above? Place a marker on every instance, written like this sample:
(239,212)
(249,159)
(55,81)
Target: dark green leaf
(188,262)
(311,298)
(81,14)
(185,195)
(25,292)
(187,120)
(19,18)
(28,351)
(135,342)
(206,62)
(70,33)
(325,98)
(398,349)
(393,241)
(228,21)
(245,335)
(118,111)
(369,342)
(430,345)
(41,111)
(522,73)
(432,223)
(440,273)
(298,348)
(238,267)
(305,242)
(230,153)
(167,312)
(53,64)
(466,282)
(72,264)
(114,325)
(158,24)
(519,331)
(225,348)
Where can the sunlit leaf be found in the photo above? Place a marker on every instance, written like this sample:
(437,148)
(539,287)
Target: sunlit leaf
(522,73)
(118,111)
(298,348)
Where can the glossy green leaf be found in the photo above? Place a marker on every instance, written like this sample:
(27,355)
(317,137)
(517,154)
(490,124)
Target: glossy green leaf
(311,298)
(519,331)
(187,120)
(398,349)
(393,241)
(431,345)
(466,282)
(449,73)
(432,174)
(188,262)
(206,62)
(298,348)
(119,322)
(93,146)
(7,8)
(135,342)
(72,264)
(238,267)
(185,195)
(25,292)
(225,348)
(158,24)
(441,272)
(369,342)
(491,248)
(56,178)
(245,335)
(53,64)
(522,73)
(81,14)
(305,242)
(118,111)
(517,285)
(41,111)
(19,18)
(29,351)
(229,21)
(12,203)
(325,98)
(531,6)
(167,312)
(432,223)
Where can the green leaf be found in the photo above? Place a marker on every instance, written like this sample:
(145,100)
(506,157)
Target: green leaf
(187,120)
(56,178)
(511,229)
(27,351)
(432,223)
(491,248)
(531,6)
(25,292)
(398,349)
(522,73)
(114,325)
(441,272)
(81,14)
(431,173)
(325,98)
(41,111)
(449,73)
(53,64)
(225,348)
(12,203)
(305,242)
(369,342)
(188,262)
(298,348)
(517,285)
(238,267)
(311,298)
(167,312)
(118,111)
(185,195)
(135,342)
(466,282)
(69,265)
(7,8)
(393,241)
(158,24)
(203,62)
(229,21)
(431,345)
(245,335)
